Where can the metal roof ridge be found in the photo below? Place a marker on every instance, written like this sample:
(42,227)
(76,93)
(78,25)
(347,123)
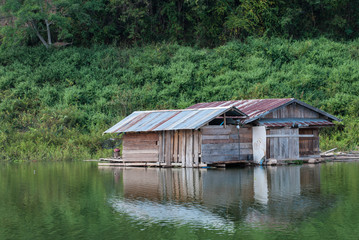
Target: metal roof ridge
(286,119)
(186,109)
(252,99)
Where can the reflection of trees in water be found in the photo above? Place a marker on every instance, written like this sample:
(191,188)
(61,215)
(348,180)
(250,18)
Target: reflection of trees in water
(253,194)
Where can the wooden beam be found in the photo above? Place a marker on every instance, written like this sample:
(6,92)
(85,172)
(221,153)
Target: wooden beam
(175,147)
(290,136)
(195,146)
(182,149)
(189,148)
(168,147)
(160,147)
(234,117)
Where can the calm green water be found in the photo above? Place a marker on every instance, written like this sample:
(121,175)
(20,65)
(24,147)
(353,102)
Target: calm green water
(82,201)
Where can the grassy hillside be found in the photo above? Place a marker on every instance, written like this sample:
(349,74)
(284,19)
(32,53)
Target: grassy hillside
(56,103)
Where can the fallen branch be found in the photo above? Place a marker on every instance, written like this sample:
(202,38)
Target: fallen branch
(331,150)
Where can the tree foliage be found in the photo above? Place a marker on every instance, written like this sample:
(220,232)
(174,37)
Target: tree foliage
(33,19)
(200,22)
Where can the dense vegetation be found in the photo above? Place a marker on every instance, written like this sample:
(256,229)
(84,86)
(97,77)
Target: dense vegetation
(55,103)
(123,55)
(203,22)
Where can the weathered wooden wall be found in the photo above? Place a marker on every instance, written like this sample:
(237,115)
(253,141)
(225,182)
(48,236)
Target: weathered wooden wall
(287,143)
(245,138)
(268,153)
(182,147)
(293,111)
(141,147)
(309,146)
(284,143)
(221,143)
(293,147)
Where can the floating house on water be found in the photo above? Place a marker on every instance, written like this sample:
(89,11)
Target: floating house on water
(223,132)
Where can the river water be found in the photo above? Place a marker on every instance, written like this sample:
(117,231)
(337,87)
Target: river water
(79,200)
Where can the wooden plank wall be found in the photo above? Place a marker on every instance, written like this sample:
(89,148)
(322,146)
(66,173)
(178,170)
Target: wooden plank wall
(309,146)
(293,111)
(221,143)
(189,147)
(284,147)
(268,153)
(246,143)
(181,146)
(141,147)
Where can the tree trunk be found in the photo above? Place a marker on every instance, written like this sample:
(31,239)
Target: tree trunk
(48,32)
(39,35)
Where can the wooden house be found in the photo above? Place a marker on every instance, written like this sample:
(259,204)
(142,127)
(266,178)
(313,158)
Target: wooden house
(227,131)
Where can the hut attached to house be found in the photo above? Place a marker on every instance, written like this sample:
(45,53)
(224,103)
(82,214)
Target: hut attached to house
(224,132)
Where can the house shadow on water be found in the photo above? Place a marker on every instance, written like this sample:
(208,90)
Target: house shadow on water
(256,196)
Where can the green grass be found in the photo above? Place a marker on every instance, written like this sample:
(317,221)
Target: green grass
(56,103)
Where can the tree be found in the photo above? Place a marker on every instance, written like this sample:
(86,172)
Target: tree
(41,18)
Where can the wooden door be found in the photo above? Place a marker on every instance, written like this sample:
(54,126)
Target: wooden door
(284,143)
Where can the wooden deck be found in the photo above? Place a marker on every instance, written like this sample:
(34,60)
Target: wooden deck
(119,162)
(123,163)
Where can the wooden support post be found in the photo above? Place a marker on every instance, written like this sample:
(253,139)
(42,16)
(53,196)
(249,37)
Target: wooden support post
(200,144)
(239,142)
(224,120)
(175,147)
(195,146)
(182,150)
(189,148)
(160,148)
(168,148)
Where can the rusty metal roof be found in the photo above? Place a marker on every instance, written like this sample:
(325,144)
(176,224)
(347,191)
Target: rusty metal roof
(160,120)
(257,108)
(294,122)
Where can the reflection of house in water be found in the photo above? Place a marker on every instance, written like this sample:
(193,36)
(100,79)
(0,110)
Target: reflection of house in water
(158,184)
(285,193)
(255,195)
(212,187)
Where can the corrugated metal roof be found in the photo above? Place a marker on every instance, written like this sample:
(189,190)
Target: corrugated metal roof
(160,120)
(251,107)
(256,108)
(294,122)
